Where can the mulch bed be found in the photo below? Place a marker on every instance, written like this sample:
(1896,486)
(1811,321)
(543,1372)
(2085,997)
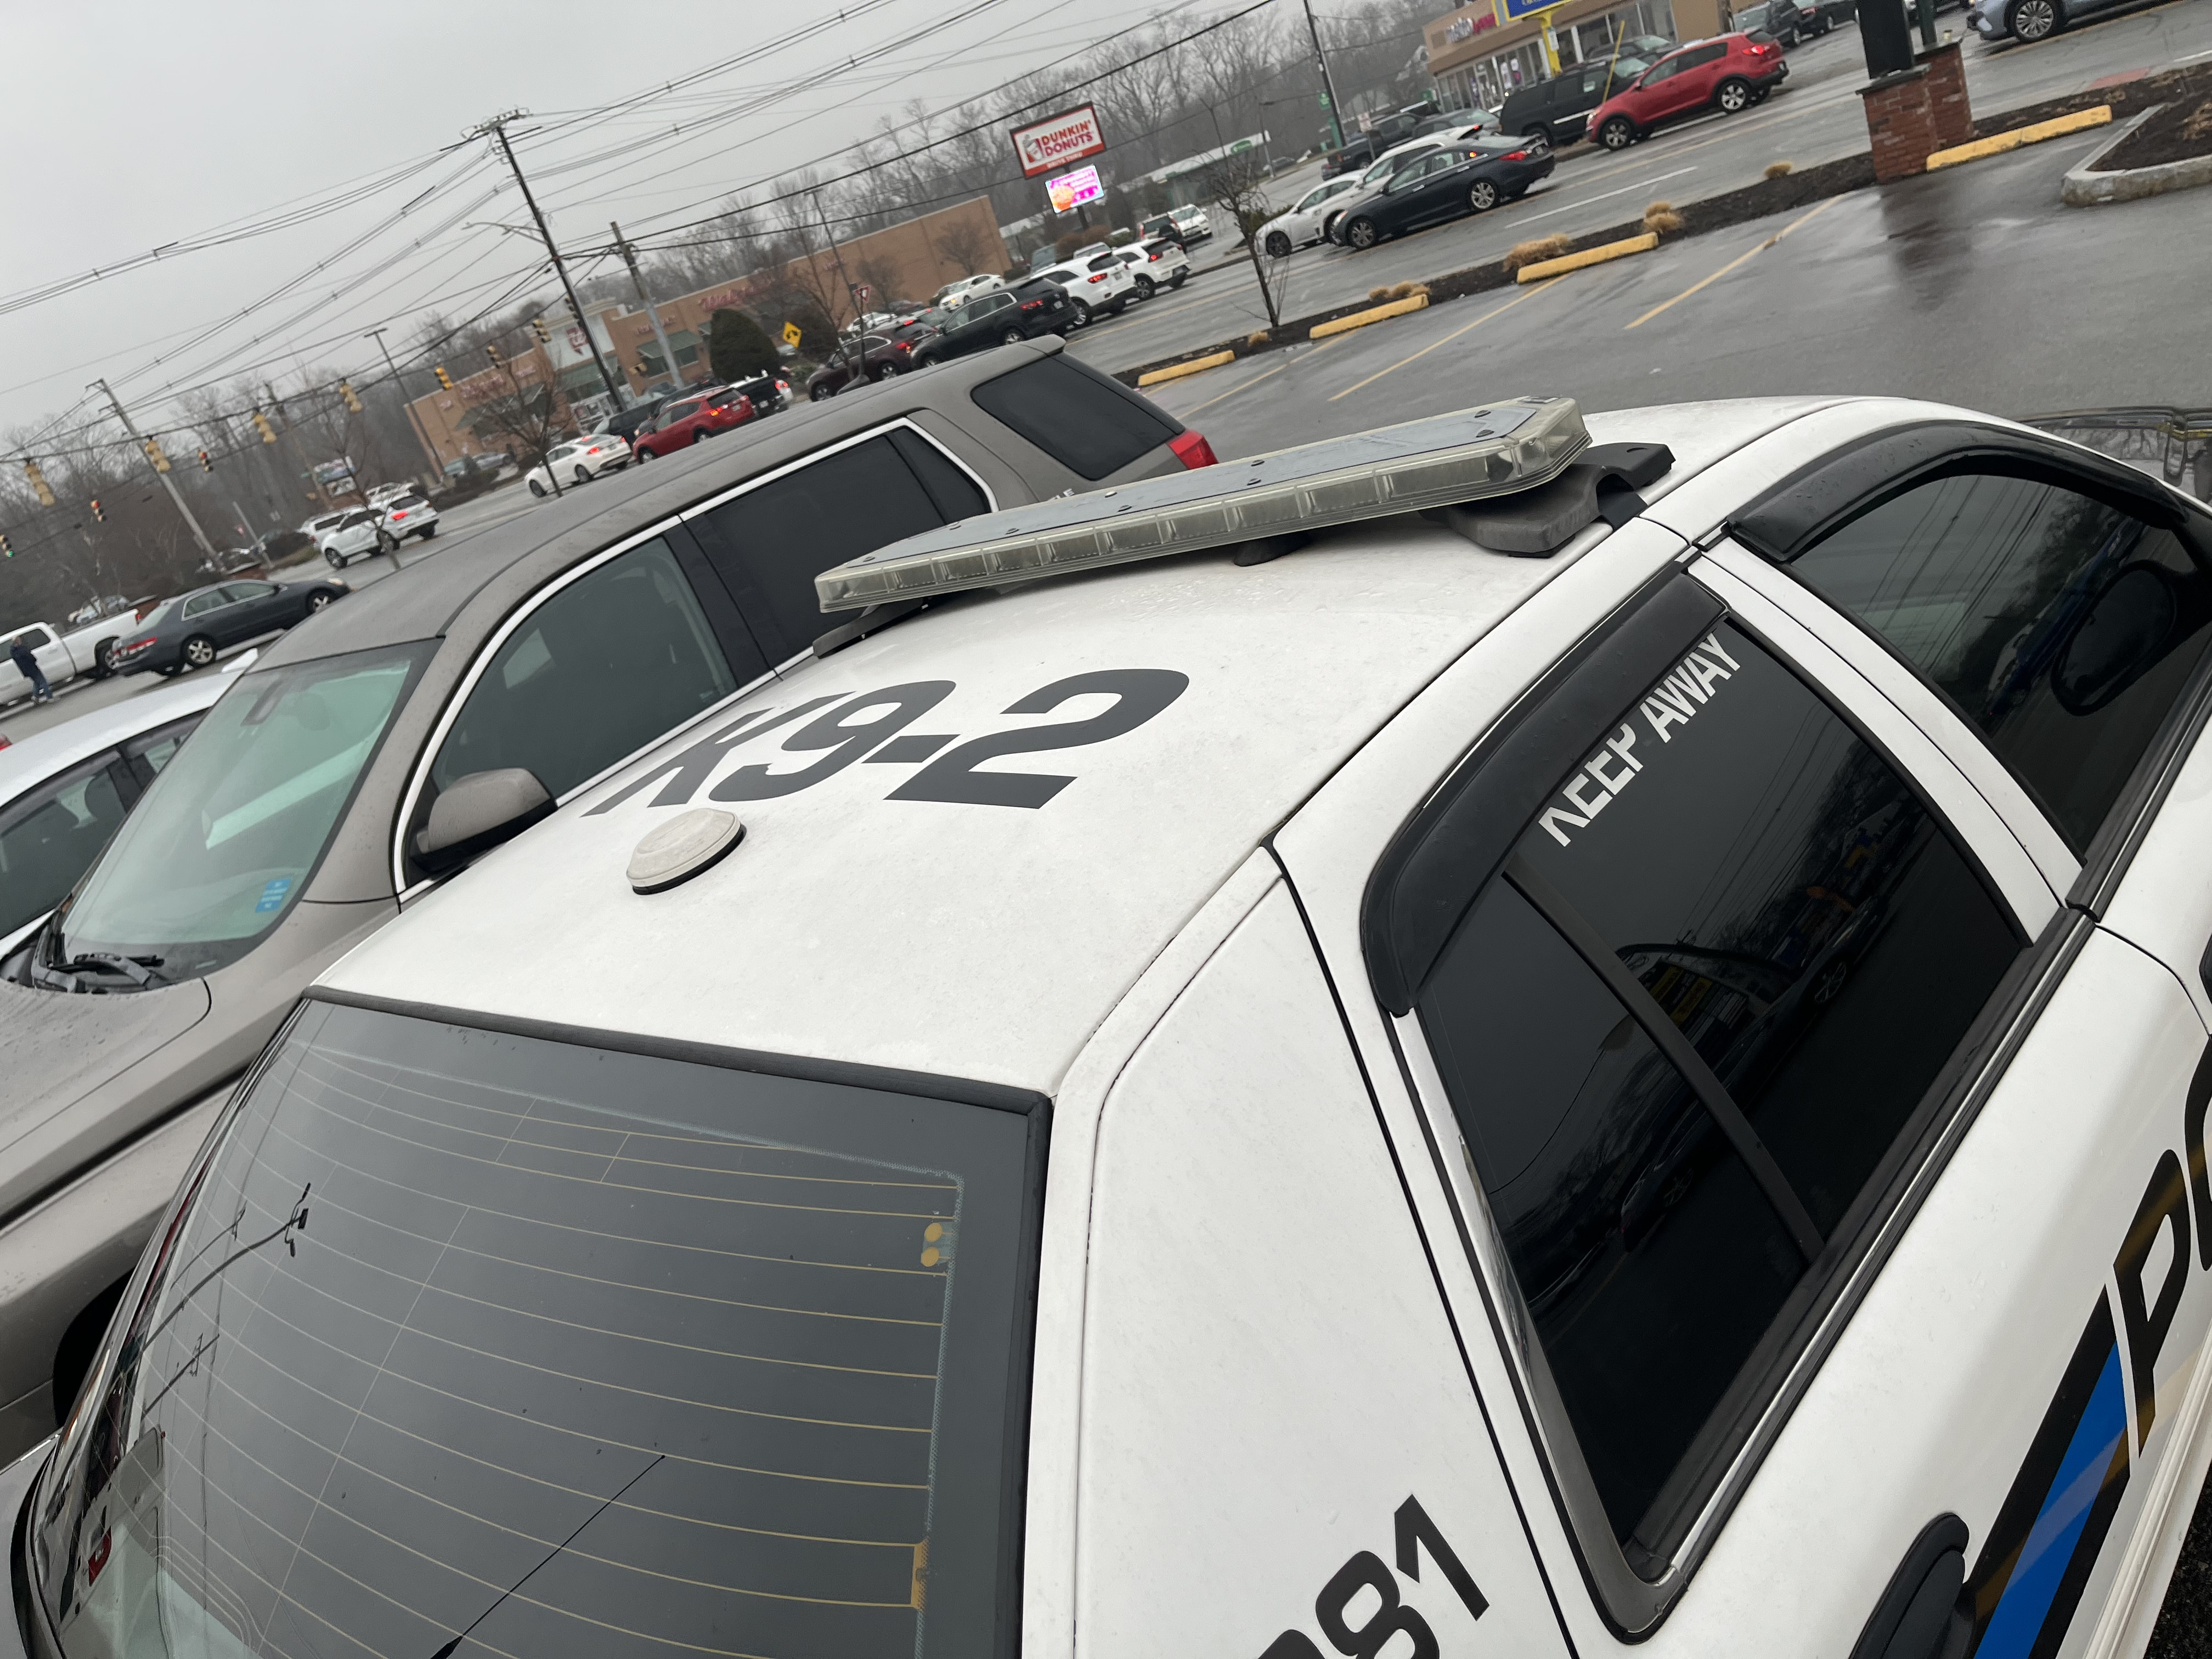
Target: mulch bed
(2181,131)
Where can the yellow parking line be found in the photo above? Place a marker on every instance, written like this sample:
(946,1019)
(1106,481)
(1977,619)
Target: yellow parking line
(1707,282)
(1447,340)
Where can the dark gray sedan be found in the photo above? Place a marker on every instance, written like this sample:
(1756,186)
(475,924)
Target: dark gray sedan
(365,757)
(1470,177)
(191,630)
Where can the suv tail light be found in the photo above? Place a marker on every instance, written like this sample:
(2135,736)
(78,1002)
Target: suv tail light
(1192,449)
(1032,305)
(1517,155)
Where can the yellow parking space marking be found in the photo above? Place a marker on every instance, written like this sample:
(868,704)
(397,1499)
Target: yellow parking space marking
(1447,340)
(1707,282)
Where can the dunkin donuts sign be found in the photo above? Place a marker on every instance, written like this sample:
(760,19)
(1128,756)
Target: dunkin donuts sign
(1052,144)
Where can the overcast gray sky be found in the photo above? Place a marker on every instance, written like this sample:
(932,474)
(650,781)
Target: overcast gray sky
(136,124)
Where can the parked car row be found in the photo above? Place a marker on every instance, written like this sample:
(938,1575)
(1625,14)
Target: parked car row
(363,532)
(1472,175)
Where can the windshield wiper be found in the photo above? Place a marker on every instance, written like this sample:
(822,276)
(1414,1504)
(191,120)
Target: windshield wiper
(139,970)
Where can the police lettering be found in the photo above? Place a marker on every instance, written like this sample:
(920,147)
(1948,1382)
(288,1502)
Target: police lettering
(1674,701)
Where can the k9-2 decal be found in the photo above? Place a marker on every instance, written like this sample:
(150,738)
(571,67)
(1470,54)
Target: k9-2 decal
(1374,1627)
(871,726)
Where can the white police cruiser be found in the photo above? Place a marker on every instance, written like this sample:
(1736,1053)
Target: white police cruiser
(1511,1039)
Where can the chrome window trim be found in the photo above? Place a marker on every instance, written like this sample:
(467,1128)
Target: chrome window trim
(1874,662)
(400,886)
(990,497)
(489,648)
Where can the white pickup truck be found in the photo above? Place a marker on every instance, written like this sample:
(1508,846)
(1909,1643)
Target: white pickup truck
(61,656)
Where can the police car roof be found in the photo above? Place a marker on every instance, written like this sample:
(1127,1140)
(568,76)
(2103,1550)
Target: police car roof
(984,941)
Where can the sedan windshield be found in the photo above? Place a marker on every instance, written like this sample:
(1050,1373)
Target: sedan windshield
(220,846)
(563,1351)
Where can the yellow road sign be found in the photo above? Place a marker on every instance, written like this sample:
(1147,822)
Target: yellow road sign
(790,334)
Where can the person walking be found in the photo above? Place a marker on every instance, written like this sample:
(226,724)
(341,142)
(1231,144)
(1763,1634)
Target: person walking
(28,663)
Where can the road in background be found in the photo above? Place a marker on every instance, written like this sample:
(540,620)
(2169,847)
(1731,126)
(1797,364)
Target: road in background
(455,526)
(1817,117)
(1972,286)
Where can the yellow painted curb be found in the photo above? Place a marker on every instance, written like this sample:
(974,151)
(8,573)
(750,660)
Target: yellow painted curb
(1376,314)
(1588,256)
(1176,371)
(2057,127)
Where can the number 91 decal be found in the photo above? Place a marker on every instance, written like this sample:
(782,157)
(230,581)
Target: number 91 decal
(1390,1615)
(871,725)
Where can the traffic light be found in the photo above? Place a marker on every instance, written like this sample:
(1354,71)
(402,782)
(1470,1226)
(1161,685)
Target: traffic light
(6,551)
(207,462)
(444,379)
(96,513)
(544,334)
(154,454)
(346,391)
(38,486)
(492,352)
(261,425)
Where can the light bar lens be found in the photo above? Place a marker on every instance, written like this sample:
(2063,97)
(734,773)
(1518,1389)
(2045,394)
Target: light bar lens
(1469,455)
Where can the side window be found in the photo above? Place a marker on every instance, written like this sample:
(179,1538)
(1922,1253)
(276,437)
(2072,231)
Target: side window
(148,754)
(596,672)
(2063,629)
(1667,70)
(50,838)
(769,544)
(1091,425)
(1687,1030)
(200,604)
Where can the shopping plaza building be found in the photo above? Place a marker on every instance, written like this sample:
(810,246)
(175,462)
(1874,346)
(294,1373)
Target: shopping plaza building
(1484,50)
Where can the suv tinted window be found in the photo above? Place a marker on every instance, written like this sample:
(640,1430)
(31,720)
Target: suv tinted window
(1734,914)
(1091,425)
(2061,628)
(769,544)
(601,669)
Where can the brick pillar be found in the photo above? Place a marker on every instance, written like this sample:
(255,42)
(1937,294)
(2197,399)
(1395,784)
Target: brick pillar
(1954,117)
(1900,124)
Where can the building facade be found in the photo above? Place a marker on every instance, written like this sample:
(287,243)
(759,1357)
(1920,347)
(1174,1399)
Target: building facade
(1483,51)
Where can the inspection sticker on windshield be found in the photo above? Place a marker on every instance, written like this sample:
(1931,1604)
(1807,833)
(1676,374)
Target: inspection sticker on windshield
(273,894)
(1674,701)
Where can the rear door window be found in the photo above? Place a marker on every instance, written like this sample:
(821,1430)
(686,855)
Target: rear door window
(1091,425)
(768,543)
(2062,628)
(1689,1030)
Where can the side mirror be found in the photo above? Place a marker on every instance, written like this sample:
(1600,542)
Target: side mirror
(475,813)
(2126,631)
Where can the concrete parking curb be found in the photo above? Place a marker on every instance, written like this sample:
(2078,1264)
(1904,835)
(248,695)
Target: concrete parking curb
(1372,314)
(1176,371)
(1997,143)
(2087,186)
(1589,256)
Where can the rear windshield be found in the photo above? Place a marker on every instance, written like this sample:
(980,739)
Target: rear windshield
(219,847)
(1091,425)
(568,1352)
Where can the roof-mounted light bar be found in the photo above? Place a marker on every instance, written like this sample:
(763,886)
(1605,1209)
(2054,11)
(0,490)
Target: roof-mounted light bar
(1444,460)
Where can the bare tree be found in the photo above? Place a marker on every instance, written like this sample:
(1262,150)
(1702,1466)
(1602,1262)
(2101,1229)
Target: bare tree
(1238,182)
(527,422)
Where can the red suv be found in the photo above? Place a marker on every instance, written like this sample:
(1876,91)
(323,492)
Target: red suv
(1727,73)
(690,420)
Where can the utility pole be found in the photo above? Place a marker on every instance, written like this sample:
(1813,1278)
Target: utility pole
(498,128)
(429,450)
(160,473)
(851,298)
(652,312)
(1328,85)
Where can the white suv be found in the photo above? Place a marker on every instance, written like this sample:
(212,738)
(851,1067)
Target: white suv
(1156,262)
(1101,283)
